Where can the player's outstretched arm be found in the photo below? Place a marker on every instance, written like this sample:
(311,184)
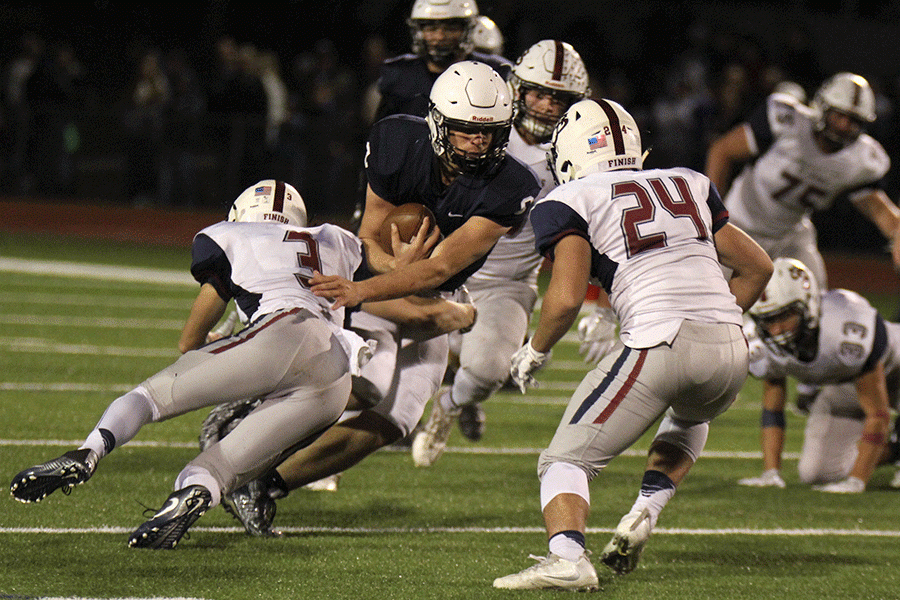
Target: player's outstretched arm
(885,215)
(724,153)
(206,311)
(461,248)
(871,389)
(751,266)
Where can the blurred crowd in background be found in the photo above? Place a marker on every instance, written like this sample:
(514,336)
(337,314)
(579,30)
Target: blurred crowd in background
(191,129)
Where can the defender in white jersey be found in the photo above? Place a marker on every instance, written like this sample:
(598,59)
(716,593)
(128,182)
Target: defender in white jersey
(293,355)
(837,340)
(655,241)
(803,159)
(546,80)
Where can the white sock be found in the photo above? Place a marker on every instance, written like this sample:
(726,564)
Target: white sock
(121,421)
(568,545)
(656,491)
(193,475)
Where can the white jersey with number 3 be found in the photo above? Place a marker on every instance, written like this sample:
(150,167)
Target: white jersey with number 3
(653,250)
(267,266)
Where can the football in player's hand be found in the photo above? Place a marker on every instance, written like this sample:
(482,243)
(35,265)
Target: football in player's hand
(408,218)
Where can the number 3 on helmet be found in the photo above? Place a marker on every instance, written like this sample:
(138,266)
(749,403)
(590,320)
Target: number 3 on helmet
(269,201)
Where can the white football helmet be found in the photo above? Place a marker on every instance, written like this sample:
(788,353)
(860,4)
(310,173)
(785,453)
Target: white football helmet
(848,94)
(792,287)
(487,37)
(552,67)
(425,11)
(470,97)
(594,136)
(269,201)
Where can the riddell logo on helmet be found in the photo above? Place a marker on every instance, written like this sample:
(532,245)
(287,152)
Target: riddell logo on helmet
(479,119)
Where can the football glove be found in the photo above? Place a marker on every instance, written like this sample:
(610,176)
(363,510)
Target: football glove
(770,478)
(224,418)
(524,362)
(851,485)
(597,333)
(225,329)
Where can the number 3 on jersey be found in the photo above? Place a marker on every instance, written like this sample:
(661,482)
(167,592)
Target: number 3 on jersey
(642,226)
(307,255)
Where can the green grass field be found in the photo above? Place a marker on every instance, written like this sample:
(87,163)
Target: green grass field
(70,344)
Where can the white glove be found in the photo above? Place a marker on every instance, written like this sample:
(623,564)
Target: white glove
(524,362)
(769,478)
(851,485)
(225,329)
(597,333)
(895,482)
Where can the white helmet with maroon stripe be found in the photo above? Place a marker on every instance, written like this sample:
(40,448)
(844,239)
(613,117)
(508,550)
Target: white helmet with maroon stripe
(549,66)
(269,201)
(594,136)
(848,94)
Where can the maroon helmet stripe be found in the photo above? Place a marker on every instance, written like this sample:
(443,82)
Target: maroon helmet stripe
(558,62)
(278,202)
(857,93)
(618,140)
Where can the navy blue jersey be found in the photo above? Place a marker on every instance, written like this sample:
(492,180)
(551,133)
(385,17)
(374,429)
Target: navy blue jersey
(401,167)
(405,83)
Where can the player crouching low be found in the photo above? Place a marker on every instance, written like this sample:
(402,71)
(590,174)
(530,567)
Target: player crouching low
(294,355)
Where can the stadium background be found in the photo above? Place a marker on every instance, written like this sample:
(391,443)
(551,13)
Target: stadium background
(664,60)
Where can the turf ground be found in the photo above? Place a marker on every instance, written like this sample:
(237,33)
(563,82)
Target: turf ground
(72,342)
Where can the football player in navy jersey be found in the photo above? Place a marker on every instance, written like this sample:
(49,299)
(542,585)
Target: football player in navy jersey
(547,79)
(455,163)
(442,34)
(837,340)
(656,241)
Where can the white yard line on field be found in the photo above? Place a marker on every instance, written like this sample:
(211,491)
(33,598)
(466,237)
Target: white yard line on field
(44,346)
(109,323)
(94,271)
(482,450)
(492,530)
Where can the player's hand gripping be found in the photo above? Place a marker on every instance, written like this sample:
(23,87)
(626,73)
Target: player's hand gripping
(524,362)
(419,247)
(597,333)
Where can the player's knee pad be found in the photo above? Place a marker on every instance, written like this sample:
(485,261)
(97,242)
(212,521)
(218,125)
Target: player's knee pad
(563,478)
(687,436)
(469,387)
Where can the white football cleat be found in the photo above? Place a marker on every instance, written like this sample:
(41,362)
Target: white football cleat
(770,478)
(623,551)
(851,485)
(429,444)
(326,484)
(553,573)
(895,482)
